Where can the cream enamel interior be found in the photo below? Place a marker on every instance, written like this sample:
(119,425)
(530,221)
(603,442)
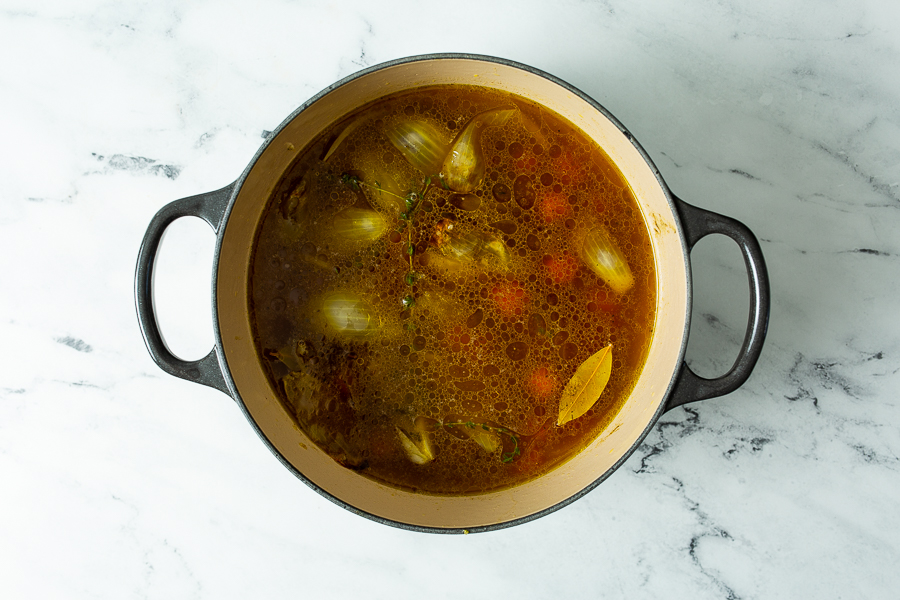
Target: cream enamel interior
(419,509)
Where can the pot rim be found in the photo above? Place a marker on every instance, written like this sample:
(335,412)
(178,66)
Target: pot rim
(671,200)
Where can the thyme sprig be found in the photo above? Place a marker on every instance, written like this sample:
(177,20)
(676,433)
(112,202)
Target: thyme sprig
(411,202)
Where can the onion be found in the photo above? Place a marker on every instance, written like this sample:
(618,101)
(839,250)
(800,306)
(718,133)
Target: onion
(350,315)
(447,264)
(422,145)
(488,440)
(416,445)
(382,187)
(494,251)
(359,224)
(464,168)
(478,247)
(349,129)
(343,135)
(464,246)
(388,194)
(604,259)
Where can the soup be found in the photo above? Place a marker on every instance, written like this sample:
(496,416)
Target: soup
(453,290)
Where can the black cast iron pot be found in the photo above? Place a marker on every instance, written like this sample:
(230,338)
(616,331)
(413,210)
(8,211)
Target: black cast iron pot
(234,368)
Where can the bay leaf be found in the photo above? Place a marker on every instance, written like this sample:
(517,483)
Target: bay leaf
(585,387)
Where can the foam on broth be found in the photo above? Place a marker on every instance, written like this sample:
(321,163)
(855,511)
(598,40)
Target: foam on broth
(459,328)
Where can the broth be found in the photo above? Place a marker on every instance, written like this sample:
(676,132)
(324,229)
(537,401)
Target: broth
(430,275)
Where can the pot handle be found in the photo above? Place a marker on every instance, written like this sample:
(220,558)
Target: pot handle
(210,207)
(698,223)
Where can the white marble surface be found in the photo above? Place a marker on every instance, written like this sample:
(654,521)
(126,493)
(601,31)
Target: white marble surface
(119,481)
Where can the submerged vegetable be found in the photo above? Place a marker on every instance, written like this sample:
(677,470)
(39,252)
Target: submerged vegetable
(294,206)
(304,393)
(585,387)
(470,247)
(604,259)
(542,382)
(484,437)
(336,445)
(359,224)
(308,254)
(488,437)
(421,143)
(381,185)
(326,418)
(350,315)
(464,166)
(343,135)
(417,445)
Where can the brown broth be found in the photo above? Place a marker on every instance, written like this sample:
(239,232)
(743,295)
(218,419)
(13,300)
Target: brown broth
(492,338)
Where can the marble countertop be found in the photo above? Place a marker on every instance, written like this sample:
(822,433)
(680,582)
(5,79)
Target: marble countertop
(119,481)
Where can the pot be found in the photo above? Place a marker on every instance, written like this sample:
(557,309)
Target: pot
(232,365)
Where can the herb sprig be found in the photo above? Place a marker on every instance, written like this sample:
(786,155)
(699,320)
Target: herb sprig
(411,202)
